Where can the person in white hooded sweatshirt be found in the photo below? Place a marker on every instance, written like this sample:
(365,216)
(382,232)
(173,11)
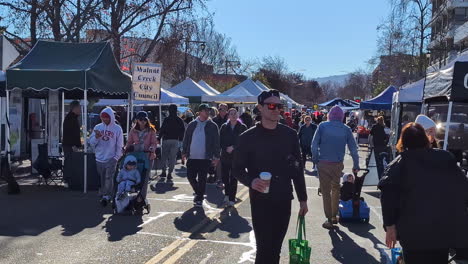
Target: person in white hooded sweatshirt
(107,141)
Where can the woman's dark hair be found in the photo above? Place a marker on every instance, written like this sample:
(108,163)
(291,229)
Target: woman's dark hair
(412,136)
(148,125)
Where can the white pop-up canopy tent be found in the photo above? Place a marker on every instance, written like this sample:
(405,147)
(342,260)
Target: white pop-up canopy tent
(250,86)
(208,87)
(237,95)
(190,89)
(246,93)
(411,92)
(262,85)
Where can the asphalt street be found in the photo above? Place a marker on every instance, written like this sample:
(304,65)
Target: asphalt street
(49,224)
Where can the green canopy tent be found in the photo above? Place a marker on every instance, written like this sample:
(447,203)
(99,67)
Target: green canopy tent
(78,70)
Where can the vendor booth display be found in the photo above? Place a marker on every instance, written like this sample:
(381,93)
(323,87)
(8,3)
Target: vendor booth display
(74,70)
(446,103)
(8,54)
(379,105)
(406,106)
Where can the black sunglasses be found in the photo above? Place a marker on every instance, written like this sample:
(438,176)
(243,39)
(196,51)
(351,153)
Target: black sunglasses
(274,106)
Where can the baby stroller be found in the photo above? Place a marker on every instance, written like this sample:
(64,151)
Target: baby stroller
(133,203)
(352,206)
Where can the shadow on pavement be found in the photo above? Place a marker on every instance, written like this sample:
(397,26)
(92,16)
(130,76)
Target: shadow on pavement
(375,194)
(363,230)
(162,186)
(214,195)
(120,226)
(41,208)
(233,223)
(181,173)
(345,250)
(191,218)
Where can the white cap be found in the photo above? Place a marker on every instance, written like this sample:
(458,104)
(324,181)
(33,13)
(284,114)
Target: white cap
(425,122)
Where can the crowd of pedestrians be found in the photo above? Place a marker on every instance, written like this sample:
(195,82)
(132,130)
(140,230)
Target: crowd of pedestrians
(267,149)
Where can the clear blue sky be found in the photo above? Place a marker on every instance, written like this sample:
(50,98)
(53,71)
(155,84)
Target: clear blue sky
(316,37)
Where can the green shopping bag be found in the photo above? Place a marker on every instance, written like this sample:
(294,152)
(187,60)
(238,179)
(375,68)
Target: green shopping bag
(299,250)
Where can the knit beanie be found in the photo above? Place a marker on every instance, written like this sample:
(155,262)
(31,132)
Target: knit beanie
(425,122)
(336,114)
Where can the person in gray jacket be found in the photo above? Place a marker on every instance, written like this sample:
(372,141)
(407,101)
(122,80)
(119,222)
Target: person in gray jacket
(201,148)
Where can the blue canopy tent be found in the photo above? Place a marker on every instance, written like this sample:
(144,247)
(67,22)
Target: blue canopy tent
(338,102)
(383,101)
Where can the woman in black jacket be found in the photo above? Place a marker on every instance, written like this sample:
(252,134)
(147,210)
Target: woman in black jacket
(229,136)
(424,200)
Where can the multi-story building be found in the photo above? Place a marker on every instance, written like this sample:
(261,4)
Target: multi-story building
(449,31)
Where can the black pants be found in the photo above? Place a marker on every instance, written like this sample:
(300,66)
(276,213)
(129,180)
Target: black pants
(439,256)
(197,170)
(67,153)
(270,222)
(230,182)
(379,160)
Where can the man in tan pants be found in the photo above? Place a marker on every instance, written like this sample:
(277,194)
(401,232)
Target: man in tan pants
(328,150)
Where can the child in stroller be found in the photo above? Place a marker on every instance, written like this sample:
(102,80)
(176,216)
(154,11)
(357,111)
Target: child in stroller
(352,206)
(128,177)
(129,197)
(347,188)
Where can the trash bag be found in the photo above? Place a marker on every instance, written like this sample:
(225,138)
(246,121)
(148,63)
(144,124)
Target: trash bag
(299,250)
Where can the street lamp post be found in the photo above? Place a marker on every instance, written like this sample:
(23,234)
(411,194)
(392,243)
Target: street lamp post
(187,42)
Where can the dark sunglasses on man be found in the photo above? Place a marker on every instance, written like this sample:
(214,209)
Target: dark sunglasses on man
(273,106)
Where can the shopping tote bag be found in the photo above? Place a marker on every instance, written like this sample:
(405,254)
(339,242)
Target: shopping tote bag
(299,250)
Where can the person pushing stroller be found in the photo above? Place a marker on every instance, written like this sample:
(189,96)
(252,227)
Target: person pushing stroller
(128,177)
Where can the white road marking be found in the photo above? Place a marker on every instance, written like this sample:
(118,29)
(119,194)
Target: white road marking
(208,256)
(249,256)
(245,244)
(379,216)
(160,215)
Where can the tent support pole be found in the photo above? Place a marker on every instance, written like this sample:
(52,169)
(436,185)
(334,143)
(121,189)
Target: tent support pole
(160,114)
(7,130)
(447,125)
(131,107)
(46,136)
(85,136)
(1,118)
(63,112)
(128,114)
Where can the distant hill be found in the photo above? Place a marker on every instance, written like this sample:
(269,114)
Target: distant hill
(338,79)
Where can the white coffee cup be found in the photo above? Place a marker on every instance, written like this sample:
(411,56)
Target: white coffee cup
(266,176)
